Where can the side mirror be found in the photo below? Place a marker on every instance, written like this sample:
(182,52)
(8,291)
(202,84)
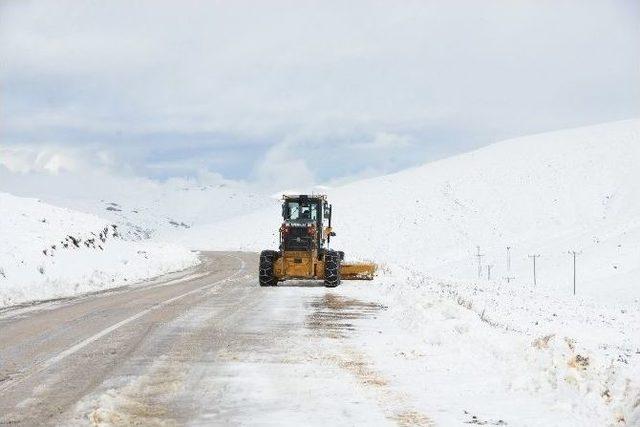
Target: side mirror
(333,233)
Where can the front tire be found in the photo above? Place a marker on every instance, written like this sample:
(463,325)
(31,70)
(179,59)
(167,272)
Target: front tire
(266,275)
(331,269)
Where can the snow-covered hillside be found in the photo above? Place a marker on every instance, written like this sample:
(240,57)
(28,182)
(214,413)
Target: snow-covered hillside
(545,194)
(165,211)
(48,252)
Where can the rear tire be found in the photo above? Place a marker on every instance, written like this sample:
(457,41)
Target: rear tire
(266,275)
(331,269)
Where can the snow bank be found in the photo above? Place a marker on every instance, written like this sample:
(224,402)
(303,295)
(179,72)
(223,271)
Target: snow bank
(487,353)
(49,252)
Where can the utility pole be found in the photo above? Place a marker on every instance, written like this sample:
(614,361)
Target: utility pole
(508,259)
(489,267)
(479,255)
(534,256)
(574,253)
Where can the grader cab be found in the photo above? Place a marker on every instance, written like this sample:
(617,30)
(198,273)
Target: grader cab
(304,252)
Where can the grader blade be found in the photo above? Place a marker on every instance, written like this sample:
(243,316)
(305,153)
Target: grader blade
(358,271)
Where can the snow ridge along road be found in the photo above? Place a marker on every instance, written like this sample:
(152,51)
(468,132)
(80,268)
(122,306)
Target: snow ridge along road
(213,348)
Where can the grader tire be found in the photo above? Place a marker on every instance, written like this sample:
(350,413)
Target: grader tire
(331,269)
(265,274)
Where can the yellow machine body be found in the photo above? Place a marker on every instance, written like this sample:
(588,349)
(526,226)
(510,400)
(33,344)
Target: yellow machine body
(304,253)
(305,265)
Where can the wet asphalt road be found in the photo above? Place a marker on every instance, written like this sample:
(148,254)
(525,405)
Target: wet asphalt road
(206,346)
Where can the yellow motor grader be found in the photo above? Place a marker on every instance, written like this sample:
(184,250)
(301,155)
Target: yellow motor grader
(304,254)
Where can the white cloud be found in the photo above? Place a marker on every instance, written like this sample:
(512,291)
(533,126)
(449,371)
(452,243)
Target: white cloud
(283,166)
(263,72)
(24,160)
(49,159)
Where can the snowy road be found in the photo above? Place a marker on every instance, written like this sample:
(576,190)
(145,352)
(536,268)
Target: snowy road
(207,346)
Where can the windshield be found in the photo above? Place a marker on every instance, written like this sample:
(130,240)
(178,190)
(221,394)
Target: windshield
(301,211)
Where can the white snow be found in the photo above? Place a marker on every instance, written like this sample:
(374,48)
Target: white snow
(147,215)
(558,359)
(39,259)
(499,349)
(501,353)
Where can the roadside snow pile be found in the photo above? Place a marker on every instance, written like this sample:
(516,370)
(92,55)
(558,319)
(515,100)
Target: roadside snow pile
(48,252)
(491,354)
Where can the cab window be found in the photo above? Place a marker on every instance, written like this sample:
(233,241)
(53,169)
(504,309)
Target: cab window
(298,211)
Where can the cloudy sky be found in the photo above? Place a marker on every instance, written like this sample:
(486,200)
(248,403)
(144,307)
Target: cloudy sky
(301,91)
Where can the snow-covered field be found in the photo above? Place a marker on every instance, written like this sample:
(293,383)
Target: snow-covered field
(51,252)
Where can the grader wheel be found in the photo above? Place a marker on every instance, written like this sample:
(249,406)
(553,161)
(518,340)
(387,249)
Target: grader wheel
(331,269)
(266,275)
